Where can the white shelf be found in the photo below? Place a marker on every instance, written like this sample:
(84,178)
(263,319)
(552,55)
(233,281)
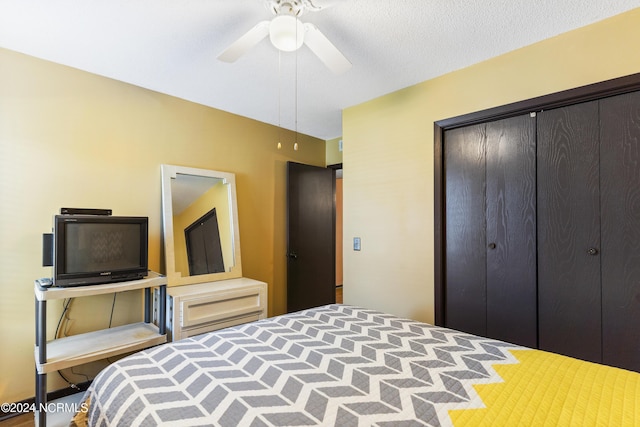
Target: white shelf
(88,347)
(84,348)
(53,293)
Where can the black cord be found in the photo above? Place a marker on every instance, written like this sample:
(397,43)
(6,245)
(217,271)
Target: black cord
(72,385)
(86,377)
(64,311)
(66,305)
(113,304)
(65,308)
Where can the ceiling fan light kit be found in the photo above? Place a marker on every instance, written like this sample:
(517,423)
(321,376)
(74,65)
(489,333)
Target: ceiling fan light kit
(286,33)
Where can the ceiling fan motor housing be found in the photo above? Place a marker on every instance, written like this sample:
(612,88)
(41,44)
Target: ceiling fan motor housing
(286,7)
(296,7)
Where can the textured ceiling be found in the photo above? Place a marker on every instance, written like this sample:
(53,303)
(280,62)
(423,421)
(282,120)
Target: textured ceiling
(170,46)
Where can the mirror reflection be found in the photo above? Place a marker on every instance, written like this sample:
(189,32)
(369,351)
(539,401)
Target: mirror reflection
(200,225)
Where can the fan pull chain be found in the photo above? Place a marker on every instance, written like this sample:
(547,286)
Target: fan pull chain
(279,100)
(295,145)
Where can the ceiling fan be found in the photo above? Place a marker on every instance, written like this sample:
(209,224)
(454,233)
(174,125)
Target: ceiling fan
(287,33)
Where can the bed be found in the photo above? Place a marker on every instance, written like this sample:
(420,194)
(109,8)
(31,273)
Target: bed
(340,365)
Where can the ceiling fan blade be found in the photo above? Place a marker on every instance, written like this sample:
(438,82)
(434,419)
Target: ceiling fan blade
(325,50)
(246,42)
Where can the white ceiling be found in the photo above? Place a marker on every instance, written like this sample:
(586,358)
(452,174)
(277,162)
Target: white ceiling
(170,46)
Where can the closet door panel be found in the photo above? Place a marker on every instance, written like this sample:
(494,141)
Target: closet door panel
(620,199)
(465,268)
(569,302)
(511,230)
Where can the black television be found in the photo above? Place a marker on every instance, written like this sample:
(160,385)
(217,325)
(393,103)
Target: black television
(98,249)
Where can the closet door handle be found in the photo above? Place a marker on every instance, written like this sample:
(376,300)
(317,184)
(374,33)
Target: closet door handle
(492,245)
(592,251)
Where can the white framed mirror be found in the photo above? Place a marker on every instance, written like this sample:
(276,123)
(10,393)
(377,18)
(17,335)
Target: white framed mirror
(200,225)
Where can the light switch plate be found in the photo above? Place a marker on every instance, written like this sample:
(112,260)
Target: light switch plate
(356,243)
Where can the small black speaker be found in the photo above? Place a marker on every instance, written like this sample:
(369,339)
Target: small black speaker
(47,250)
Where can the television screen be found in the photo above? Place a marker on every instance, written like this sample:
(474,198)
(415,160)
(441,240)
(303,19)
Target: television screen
(99,249)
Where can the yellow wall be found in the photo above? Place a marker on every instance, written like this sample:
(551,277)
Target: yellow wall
(388,154)
(73,139)
(334,154)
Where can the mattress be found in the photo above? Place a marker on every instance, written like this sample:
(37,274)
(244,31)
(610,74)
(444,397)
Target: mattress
(340,365)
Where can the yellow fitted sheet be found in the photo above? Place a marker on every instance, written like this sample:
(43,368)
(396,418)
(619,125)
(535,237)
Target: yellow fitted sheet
(546,389)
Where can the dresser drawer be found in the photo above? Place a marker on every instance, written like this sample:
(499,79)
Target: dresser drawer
(205,307)
(227,323)
(217,307)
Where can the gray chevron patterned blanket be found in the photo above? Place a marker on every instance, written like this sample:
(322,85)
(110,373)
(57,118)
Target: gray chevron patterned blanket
(340,365)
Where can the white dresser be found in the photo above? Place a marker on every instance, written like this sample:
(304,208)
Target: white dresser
(205,307)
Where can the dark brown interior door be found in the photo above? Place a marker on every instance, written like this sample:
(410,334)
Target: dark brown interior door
(310,236)
(620,199)
(569,309)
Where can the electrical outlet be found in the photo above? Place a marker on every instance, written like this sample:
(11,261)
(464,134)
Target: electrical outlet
(356,243)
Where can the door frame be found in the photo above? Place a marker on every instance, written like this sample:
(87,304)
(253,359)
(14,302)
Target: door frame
(338,168)
(577,95)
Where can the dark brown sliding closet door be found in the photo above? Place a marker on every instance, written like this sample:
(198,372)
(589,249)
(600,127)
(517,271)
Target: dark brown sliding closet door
(620,198)
(569,303)
(465,269)
(511,230)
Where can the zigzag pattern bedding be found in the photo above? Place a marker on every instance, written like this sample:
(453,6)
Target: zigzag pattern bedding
(347,366)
